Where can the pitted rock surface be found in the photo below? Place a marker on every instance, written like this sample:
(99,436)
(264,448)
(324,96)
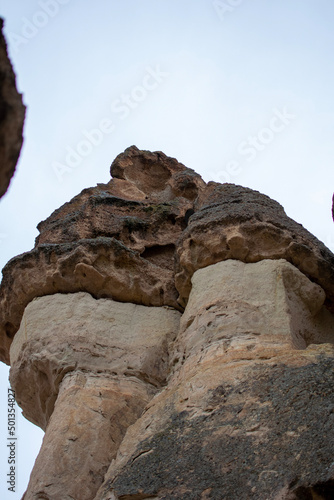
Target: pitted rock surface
(233,222)
(141,237)
(246,412)
(250,439)
(144,204)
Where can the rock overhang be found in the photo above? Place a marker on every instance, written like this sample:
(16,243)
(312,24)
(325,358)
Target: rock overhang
(141,237)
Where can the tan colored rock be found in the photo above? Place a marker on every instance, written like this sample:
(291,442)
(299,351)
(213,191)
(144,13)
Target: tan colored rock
(141,237)
(262,305)
(103,267)
(250,430)
(11,117)
(91,415)
(233,222)
(160,177)
(83,370)
(66,332)
(143,205)
(242,412)
(116,240)
(231,400)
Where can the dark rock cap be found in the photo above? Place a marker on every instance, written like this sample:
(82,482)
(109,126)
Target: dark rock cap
(141,237)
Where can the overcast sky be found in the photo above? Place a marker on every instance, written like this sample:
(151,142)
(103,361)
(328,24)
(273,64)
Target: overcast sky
(240,91)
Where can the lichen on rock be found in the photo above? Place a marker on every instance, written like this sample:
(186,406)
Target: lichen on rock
(175,340)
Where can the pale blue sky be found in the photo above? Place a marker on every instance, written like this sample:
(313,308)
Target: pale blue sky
(221,84)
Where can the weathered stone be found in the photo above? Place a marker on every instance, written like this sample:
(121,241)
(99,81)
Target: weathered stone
(143,206)
(233,222)
(84,370)
(121,239)
(266,432)
(12,112)
(65,332)
(245,414)
(116,240)
(230,400)
(263,305)
(104,267)
(91,415)
(160,177)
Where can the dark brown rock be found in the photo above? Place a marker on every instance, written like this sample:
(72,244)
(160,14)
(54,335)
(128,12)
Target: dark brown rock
(233,222)
(140,238)
(103,267)
(254,440)
(231,399)
(115,240)
(12,112)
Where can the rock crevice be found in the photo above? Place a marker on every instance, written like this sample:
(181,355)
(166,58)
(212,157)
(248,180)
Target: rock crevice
(142,236)
(174,339)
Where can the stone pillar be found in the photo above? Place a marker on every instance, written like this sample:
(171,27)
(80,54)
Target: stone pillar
(91,415)
(84,370)
(233,400)
(249,392)
(250,308)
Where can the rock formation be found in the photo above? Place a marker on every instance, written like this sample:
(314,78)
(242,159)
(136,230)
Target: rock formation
(174,339)
(12,112)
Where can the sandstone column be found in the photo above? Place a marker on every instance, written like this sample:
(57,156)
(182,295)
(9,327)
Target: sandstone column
(84,370)
(242,412)
(175,340)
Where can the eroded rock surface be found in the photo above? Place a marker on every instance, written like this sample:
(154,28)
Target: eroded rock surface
(141,237)
(233,222)
(65,332)
(12,112)
(84,370)
(242,412)
(104,267)
(175,340)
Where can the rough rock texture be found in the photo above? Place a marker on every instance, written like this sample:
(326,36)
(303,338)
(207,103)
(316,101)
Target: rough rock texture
(91,416)
(233,222)
(250,437)
(12,112)
(92,366)
(174,339)
(116,240)
(245,414)
(60,333)
(103,267)
(141,237)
